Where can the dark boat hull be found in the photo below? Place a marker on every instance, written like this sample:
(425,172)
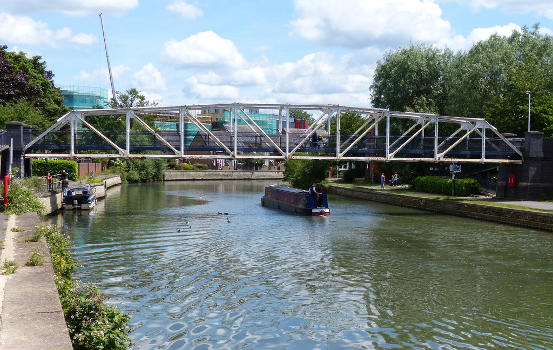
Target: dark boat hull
(276,204)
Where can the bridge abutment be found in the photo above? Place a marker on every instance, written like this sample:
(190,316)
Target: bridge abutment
(534,177)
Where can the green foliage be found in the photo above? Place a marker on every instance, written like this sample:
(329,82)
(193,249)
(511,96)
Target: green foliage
(349,123)
(140,170)
(303,173)
(299,114)
(92,324)
(17,229)
(42,166)
(433,184)
(352,173)
(22,111)
(35,237)
(22,200)
(37,258)
(130,98)
(25,83)
(10,267)
(488,81)
(185,166)
(200,166)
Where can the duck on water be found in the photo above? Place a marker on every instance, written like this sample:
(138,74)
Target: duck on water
(296,201)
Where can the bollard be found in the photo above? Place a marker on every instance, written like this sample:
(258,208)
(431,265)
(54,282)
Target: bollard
(6,187)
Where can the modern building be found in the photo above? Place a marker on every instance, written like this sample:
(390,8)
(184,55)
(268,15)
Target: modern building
(84,97)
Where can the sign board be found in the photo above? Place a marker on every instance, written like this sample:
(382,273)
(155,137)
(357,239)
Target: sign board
(455,168)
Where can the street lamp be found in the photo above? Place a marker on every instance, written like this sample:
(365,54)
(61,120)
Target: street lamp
(529,94)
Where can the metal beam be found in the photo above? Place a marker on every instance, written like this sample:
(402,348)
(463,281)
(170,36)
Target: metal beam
(112,144)
(409,139)
(361,136)
(158,136)
(262,132)
(441,155)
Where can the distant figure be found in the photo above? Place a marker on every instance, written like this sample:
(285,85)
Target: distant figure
(228,219)
(64,185)
(395,180)
(49,181)
(314,139)
(313,192)
(382,180)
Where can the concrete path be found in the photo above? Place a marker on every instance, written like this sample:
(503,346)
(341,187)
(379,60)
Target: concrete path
(31,314)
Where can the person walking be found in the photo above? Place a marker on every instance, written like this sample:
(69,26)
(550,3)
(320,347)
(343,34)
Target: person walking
(382,180)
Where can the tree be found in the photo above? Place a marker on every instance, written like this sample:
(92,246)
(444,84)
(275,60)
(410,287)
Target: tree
(27,90)
(299,114)
(130,98)
(302,173)
(412,79)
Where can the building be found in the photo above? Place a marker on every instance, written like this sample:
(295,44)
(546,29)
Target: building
(84,97)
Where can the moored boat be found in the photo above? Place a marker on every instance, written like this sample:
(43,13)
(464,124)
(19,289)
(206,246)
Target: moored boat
(81,197)
(295,201)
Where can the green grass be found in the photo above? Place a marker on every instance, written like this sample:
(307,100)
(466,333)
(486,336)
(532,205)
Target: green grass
(505,205)
(36,236)
(17,229)
(10,267)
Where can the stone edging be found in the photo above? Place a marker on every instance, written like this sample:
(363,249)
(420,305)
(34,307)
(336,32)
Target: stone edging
(180,175)
(509,216)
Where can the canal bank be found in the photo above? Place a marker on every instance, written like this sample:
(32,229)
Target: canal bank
(510,216)
(190,175)
(31,312)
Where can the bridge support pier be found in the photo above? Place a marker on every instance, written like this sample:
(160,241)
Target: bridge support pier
(20,133)
(534,177)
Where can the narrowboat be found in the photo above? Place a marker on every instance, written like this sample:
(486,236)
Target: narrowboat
(81,197)
(295,201)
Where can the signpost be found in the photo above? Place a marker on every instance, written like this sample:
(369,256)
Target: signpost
(454,168)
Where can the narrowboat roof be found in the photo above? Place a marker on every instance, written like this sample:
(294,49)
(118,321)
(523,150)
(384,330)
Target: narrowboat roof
(286,189)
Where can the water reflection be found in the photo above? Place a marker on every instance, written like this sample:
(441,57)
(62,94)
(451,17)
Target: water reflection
(368,276)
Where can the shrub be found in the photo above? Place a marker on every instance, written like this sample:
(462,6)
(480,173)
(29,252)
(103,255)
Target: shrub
(200,166)
(303,173)
(186,166)
(36,236)
(36,259)
(92,324)
(22,200)
(433,184)
(141,170)
(42,166)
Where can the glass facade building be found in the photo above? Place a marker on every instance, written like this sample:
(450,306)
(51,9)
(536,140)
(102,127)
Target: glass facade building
(84,97)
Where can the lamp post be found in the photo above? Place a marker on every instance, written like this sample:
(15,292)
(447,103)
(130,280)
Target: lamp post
(529,94)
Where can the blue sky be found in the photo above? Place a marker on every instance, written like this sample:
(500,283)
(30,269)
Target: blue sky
(303,51)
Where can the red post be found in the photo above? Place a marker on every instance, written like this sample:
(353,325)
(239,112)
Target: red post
(6,187)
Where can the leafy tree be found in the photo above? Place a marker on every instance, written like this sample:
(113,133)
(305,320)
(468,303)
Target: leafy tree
(27,90)
(412,79)
(302,173)
(130,98)
(299,114)
(349,123)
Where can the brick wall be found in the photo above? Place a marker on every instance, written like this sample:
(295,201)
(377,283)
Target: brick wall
(87,168)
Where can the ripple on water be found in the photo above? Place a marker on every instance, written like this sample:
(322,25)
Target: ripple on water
(370,276)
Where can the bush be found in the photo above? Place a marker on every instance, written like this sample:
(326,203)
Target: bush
(200,166)
(439,185)
(186,166)
(302,173)
(92,324)
(141,170)
(42,166)
(22,200)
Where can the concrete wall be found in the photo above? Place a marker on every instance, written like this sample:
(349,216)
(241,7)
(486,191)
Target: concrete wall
(517,217)
(174,175)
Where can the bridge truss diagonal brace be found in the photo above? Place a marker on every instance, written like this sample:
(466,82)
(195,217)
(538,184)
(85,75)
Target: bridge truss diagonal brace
(324,117)
(153,132)
(97,132)
(391,155)
(56,126)
(441,155)
(196,122)
(261,130)
(376,120)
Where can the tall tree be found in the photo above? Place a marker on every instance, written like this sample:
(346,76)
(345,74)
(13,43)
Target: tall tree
(412,79)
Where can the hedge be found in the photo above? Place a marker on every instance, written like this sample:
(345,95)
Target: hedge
(42,166)
(439,185)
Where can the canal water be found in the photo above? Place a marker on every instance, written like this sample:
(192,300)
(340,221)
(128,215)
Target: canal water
(370,276)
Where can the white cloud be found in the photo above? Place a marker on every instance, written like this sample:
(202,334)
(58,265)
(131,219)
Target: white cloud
(187,11)
(205,49)
(70,7)
(459,42)
(25,30)
(361,23)
(100,76)
(540,7)
(149,78)
(210,92)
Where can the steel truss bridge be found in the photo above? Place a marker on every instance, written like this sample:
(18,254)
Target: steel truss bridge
(419,137)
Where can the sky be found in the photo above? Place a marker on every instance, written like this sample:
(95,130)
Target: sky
(220,51)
